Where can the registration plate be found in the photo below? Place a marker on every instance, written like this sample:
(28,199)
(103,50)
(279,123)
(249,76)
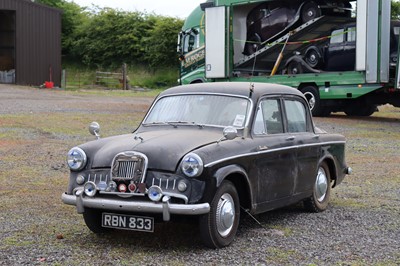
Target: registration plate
(128,222)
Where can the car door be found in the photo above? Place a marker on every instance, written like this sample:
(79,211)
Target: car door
(300,129)
(334,57)
(274,166)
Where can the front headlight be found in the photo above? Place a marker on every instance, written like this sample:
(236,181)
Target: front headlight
(76,159)
(192,165)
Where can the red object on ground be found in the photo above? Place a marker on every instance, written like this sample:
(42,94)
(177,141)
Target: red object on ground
(49,84)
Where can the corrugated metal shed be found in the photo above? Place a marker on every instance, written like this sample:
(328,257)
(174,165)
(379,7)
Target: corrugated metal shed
(32,40)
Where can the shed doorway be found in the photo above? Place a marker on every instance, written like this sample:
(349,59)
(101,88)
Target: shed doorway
(7,46)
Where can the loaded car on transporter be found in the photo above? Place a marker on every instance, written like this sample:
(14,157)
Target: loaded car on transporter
(207,150)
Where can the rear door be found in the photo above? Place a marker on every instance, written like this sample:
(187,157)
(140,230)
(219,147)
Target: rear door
(300,130)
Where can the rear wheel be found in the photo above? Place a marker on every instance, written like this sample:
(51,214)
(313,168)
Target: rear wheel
(319,200)
(218,227)
(92,219)
(253,44)
(361,110)
(310,11)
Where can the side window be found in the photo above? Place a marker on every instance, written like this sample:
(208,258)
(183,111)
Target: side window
(351,34)
(337,36)
(268,118)
(296,116)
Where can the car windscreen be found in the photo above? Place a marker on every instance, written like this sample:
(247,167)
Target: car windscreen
(214,110)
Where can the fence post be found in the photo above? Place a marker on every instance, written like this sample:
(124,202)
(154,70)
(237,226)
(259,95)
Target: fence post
(124,79)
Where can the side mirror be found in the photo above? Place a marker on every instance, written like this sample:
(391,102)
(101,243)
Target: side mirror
(230,133)
(94,129)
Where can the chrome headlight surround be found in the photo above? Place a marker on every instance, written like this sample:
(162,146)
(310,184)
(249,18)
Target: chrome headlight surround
(76,159)
(192,165)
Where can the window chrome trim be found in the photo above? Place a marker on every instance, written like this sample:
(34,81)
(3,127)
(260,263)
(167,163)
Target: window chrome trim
(248,116)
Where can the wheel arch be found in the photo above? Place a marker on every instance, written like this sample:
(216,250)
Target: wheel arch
(238,176)
(332,168)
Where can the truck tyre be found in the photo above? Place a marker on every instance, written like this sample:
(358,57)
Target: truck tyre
(312,95)
(92,219)
(319,200)
(310,11)
(218,227)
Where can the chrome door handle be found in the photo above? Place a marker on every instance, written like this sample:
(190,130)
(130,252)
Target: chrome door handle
(291,138)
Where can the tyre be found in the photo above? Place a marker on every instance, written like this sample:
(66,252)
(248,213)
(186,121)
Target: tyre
(218,228)
(310,11)
(313,57)
(312,95)
(319,200)
(253,44)
(360,110)
(92,219)
(294,68)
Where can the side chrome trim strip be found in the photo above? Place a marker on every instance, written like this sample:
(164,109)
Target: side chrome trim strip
(210,164)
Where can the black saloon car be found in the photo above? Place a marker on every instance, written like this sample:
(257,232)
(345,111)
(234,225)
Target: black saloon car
(207,150)
(338,53)
(271,19)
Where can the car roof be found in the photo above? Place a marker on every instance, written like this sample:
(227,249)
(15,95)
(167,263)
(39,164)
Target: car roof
(235,88)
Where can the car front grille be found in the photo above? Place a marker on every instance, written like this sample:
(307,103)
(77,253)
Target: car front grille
(130,166)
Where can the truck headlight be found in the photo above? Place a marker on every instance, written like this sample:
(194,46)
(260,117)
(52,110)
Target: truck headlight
(192,165)
(76,159)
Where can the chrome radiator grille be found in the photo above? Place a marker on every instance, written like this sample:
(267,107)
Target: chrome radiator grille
(129,166)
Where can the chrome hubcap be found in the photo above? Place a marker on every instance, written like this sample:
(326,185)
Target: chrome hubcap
(321,185)
(310,99)
(225,214)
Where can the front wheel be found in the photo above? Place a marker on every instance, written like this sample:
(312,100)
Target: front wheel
(319,200)
(314,102)
(218,227)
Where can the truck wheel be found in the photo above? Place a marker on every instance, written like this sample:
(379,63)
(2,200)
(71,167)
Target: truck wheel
(294,68)
(360,110)
(310,11)
(218,227)
(92,219)
(319,200)
(312,95)
(312,57)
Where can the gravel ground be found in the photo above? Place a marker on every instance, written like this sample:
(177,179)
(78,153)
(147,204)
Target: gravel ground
(361,226)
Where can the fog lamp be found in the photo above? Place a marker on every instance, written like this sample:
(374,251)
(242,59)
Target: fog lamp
(90,189)
(182,186)
(132,187)
(155,193)
(80,180)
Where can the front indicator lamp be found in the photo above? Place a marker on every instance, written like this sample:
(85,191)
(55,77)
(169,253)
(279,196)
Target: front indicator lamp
(155,193)
(90,189)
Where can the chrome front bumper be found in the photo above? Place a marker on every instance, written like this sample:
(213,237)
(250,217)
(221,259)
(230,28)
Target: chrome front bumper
(163,207)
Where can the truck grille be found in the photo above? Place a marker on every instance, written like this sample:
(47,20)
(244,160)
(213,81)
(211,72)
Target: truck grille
(129,166)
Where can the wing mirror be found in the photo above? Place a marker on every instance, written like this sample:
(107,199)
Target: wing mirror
(229,133)
(94,129)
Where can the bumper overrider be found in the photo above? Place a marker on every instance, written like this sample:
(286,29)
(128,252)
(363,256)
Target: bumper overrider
(164,207)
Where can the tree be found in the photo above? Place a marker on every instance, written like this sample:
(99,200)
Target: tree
(395,9)
(161,42)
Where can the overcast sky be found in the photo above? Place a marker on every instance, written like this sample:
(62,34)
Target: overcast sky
(173,8)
